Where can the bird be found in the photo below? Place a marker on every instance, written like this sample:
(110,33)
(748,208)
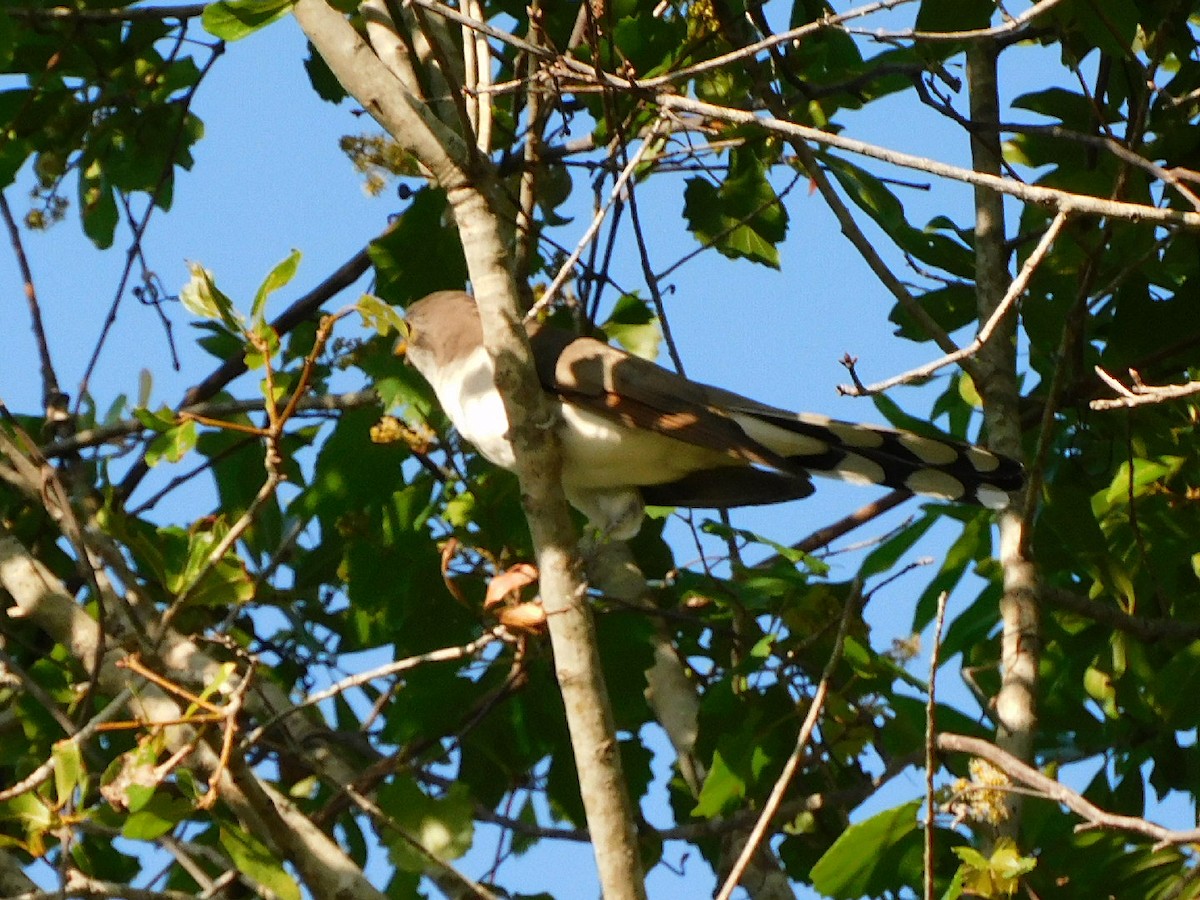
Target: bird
(635,434)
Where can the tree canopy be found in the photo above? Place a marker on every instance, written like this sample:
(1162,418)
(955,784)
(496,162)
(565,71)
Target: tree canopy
(280,637)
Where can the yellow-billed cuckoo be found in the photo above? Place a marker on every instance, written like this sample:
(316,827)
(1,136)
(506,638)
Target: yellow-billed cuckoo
(634,433)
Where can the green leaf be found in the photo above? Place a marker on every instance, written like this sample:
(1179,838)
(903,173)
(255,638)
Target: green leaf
(201,297)
(995,876)
(69,771)
(1174,689)
(743,218)
(1132,482)
(441,827)
(252,859)
(156,817)
(864,859)
(162,420)
(173,444)
(277,278)
(223,584)
(402,275)
(875,199)
(722,788)
(257,353)
(97,205)
(381,317)
(634,326)
(321,77)
(232,20)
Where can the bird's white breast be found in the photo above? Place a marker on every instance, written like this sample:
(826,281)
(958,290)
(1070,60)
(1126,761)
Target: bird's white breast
(468,395)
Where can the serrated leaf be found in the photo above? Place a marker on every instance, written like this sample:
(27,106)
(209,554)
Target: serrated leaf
(232,20)
(742,218)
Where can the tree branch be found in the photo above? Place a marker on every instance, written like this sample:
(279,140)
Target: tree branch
(1025,774)
(476,200)
(1016,702)
(1036,194)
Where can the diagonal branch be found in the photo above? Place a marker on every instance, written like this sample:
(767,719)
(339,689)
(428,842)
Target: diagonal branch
(1011,295)
(1038,195)
(815,706)
(1046,786)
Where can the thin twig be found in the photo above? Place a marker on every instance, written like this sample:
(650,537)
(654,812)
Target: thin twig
(499,633)
(50,390)
(649,142)
(1015,289)
(1141,394)
(454,15)
(1083,204)
(299,311)
(816,704)
(139,227)
(105,16)
(1004,29)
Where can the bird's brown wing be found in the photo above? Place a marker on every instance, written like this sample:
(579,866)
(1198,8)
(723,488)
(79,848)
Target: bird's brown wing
(635,392)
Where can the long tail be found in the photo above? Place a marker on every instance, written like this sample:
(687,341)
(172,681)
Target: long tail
(869,454)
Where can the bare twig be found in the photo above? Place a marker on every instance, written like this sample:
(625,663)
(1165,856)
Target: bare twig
(1004,29)
(51,395)
(1141,394)
(499,633)
(1015,289)
(139,227)
(649,143)
(104,16)
(104,434)
(482,27)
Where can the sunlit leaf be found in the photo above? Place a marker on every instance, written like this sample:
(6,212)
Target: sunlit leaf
(232,20)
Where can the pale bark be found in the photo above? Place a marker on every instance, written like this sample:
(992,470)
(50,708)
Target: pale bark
(1016,703)
(472,192)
